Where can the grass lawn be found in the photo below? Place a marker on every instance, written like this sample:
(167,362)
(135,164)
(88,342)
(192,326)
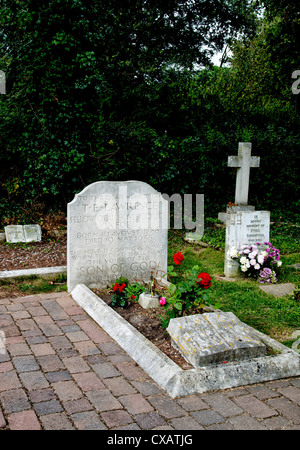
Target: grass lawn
(276,317)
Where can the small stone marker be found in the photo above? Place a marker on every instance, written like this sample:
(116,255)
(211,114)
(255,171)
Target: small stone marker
(148,301)
(116,229)
(278,290)
(23,233)
(214,338)
(244,228)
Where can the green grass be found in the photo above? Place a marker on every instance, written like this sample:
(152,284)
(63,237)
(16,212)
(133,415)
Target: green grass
(33,284)
(276,317)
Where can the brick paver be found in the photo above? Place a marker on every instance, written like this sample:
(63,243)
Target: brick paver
(61,371)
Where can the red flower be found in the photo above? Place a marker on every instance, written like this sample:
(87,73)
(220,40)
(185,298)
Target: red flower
(205,281)
(178,258)
(132,297)
(115,287)
(122,287)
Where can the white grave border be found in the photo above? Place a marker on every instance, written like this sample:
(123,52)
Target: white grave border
(285,363)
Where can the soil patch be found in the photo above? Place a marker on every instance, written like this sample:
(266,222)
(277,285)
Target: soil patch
(147,322)
(33,255)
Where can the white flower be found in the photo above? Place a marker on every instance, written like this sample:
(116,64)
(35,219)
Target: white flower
(264,253)
(253,254)
(233,253)
(244,269)
(243,260)
(247,264)
(279,263)
(246,251)
(257,266)
(253,262)
(260,259)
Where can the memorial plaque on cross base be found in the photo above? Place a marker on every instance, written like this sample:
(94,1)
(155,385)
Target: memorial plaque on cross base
(244,228)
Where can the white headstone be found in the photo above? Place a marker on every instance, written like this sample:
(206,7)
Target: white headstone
(14,233)
(23,233)
(116,229)
(32,233)
(244,228)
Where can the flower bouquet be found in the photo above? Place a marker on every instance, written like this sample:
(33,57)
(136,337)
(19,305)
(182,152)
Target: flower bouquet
(258,260)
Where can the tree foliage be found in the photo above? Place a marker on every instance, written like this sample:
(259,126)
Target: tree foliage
(104,89)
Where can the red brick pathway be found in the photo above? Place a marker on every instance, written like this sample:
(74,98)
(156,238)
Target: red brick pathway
(60,370)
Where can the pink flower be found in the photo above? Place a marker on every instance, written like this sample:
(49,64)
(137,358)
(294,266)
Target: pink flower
(162,301)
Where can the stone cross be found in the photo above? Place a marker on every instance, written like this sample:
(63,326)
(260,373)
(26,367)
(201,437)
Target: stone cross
(2,83)
(243,162)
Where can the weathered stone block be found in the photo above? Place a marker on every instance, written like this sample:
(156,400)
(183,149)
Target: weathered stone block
(147,301)
(213,338)
(23,233)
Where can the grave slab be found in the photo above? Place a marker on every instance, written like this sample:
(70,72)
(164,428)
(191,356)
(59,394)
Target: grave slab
(212,338)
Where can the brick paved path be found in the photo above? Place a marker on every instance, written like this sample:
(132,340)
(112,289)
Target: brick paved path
(62,371)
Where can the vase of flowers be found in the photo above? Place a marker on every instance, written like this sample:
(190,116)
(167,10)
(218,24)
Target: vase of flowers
(258,261)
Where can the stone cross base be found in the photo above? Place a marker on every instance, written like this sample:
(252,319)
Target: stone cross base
(244,228)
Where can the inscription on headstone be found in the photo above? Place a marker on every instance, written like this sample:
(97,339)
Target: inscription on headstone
(116,229)
(243,228)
